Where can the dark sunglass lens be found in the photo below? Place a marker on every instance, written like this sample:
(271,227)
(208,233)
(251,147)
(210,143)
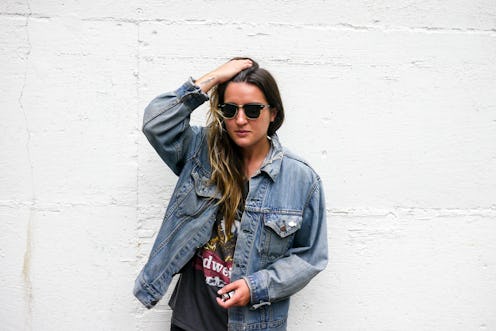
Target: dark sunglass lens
(229,110)
(252,110)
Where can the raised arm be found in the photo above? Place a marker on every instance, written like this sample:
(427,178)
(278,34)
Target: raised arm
(166,118)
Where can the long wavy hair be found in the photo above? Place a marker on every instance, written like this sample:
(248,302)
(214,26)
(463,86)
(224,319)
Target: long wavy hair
(225,158)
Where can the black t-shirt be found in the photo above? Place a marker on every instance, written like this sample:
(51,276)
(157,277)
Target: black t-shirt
(194,298)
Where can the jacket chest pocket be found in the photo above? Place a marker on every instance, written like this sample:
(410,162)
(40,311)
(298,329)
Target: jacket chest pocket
(277,234)
(196,195)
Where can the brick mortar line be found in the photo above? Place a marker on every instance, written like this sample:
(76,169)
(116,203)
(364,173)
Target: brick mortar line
(345,212)
(330,27)
(413,211)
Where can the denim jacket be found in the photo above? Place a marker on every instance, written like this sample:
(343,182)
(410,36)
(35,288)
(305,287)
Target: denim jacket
(282,241)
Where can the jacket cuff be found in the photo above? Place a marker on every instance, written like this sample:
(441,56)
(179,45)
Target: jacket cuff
(259,291)
(145,293)
(191,94)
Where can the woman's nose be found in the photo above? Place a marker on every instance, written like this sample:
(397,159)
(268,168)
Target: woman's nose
(241,117)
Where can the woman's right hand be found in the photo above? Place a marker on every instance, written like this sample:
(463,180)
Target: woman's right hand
(222,74)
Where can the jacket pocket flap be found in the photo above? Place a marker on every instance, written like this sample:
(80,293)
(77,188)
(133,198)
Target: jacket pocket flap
(202,187)
(282,224)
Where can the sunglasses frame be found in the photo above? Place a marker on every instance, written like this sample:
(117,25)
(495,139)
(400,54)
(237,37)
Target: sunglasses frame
(260,106)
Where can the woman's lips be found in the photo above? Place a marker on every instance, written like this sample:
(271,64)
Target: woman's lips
(242,133)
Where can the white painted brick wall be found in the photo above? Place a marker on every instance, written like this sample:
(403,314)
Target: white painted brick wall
(393,102)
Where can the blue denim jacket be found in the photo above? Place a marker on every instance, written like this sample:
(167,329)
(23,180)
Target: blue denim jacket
(282,241)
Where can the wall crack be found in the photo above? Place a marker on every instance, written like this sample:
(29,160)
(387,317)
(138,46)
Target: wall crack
(26,268)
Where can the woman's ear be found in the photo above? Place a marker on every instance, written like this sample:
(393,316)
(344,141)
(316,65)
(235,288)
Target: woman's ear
(273,114)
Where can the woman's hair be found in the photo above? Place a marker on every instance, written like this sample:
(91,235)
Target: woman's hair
(227,166)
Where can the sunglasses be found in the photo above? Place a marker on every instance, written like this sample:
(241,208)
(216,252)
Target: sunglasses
(252,110)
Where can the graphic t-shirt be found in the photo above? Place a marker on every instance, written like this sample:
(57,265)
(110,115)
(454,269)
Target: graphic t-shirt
(194,299)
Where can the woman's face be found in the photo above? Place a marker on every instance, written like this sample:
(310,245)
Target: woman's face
(249,134)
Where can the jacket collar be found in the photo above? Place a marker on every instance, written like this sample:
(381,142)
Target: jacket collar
(272,163)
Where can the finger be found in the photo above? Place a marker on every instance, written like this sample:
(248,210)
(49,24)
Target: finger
(228,303)
(237,299)
(223,304)
(230,69)
(226,289)
(246,63)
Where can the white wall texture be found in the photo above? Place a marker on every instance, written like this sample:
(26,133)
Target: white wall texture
(392,102)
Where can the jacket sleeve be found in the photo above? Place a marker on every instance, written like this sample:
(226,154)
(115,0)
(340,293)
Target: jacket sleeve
(166,123)
(304,260)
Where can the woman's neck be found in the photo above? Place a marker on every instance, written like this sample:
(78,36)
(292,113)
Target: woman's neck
(253,158)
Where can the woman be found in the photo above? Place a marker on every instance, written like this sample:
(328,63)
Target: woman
(245,226)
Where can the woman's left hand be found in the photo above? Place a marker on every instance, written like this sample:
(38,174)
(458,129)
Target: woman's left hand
(241,296)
